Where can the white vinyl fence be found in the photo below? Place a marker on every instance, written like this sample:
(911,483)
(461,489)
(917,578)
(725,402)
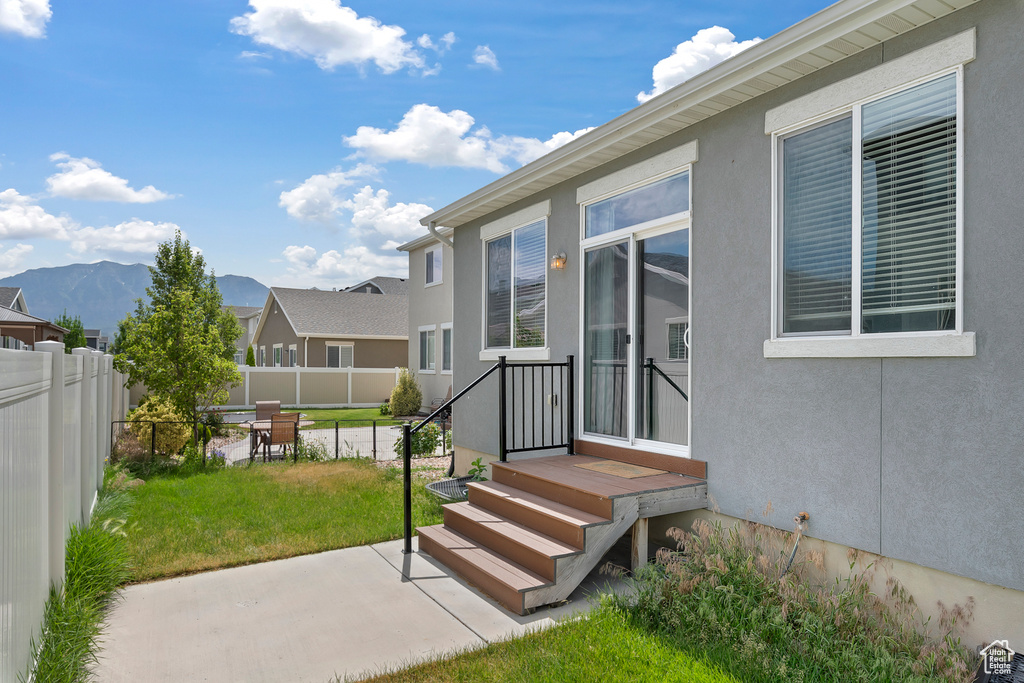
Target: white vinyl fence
(55,415)
(306,387)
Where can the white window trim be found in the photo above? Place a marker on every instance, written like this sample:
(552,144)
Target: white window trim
(446,326)
(348,344)
(936,60)
(275,356)
(489,232)
(420,331)
(646,172)
(439,276)
(295,348)
(263,356)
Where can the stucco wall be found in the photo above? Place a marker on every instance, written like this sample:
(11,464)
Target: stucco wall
(914,458)
(366,353)
(429,306)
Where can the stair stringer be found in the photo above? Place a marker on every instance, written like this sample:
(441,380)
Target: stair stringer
(572,569)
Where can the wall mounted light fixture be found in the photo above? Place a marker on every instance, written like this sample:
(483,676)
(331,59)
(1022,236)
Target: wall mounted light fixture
(558,261)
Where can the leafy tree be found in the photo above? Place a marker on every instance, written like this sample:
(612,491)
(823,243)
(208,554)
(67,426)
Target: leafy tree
(250,357)
(181,344)
(75,337)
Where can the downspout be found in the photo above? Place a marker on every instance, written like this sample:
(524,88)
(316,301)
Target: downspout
(305,353)
(432,227)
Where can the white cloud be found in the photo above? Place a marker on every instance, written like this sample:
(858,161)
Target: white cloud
(484,56)
(131,237)
(441,46)
(85,179)
(351,265)
(373,215)
(708,47)
(427,135)
(316,199)
(21,217)
(328,33)
(10,260)
(27,17)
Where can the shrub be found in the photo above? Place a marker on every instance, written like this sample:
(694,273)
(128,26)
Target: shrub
(172,433)
(424,442)
(214,421)
(250,357)
(731,593)
(385,408)
(406,397)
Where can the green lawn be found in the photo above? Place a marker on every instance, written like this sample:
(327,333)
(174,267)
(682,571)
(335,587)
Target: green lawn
(238,515)
(603,647)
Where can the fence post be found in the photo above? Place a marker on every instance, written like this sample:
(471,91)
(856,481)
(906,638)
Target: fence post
(55,469)
(502,418)
(152,440)
(335,439)
(87,433)
(570,404)
(407,472)
(374,423)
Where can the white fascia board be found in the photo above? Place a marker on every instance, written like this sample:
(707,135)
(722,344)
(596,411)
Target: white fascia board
(425,239)
(819,29)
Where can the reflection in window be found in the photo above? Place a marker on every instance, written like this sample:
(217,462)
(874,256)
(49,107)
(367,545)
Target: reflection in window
(516,288)
(656,200)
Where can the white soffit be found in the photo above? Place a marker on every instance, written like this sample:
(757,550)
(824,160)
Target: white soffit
(838,31)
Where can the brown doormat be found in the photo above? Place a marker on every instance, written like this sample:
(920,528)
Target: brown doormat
(620,469)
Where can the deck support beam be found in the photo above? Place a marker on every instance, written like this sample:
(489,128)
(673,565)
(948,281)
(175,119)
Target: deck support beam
(638,552)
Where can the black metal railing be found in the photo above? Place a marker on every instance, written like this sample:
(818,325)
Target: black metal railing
(542,421)
(651,370)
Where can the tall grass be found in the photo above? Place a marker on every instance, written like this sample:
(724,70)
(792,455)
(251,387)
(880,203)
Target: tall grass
(96,563)
(728,594)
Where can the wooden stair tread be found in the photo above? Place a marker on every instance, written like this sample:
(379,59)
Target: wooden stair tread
(541,504)
(512,530)
(498,567)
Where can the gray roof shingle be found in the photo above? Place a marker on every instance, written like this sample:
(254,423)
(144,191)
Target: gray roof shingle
(317,313)
(7,296)
(243,311)
(387,285)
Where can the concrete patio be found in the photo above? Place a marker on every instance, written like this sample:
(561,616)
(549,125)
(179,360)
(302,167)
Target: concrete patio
(351,612)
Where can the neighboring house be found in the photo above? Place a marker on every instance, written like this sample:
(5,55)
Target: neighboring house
(381,285)
(18,329)
(317,329)
(94,340)
(850,341)
(431,268)
(248,318)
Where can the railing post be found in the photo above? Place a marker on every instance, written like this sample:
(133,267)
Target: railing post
(152,440)
(649,366)
(335,439)
(502,417)
(407,473)
(570,404)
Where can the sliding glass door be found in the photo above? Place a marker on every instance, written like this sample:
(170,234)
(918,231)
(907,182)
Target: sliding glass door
(636,302)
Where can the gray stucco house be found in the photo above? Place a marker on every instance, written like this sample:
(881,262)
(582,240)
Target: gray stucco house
(431,333)
(313,328)
(818,241)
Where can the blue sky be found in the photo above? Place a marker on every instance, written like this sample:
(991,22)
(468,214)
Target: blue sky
(298,141)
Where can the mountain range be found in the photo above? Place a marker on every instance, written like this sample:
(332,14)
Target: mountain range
(103,293)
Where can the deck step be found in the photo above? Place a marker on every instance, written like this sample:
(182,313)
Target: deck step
(562,522)
(502,579)
(549,487)
(517,542)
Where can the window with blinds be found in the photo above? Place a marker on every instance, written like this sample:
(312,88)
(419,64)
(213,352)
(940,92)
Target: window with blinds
(817,215)
(516,288)
(909,210)
(904,151)
(339,356)
(427,349)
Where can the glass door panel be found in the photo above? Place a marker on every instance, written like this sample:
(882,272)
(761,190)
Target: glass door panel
(605,335)
(662,354)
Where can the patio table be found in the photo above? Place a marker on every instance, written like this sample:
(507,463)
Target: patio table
(260,430)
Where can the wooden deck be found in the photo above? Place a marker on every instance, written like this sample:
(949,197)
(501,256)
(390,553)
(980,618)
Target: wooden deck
(529,536)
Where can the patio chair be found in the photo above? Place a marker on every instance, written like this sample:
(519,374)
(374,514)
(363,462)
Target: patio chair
(264,409)
(284,430)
